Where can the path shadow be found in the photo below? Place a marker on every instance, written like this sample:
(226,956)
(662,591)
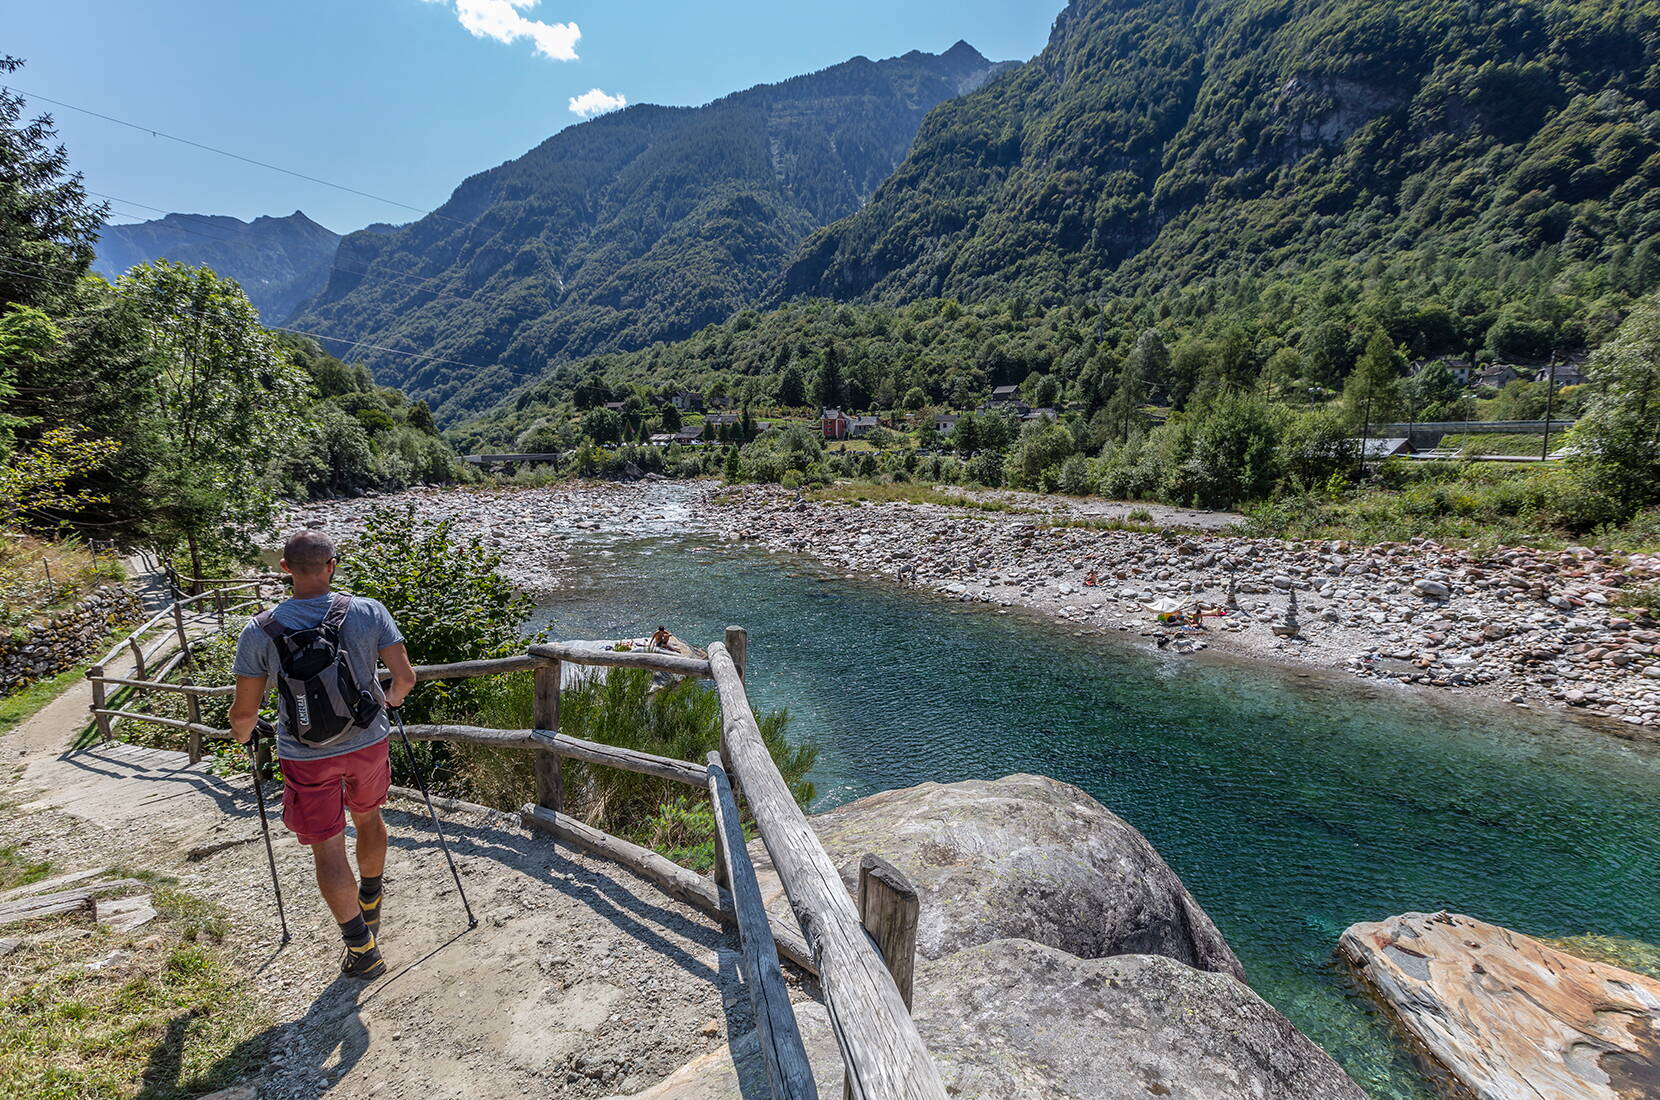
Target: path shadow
(310,1053)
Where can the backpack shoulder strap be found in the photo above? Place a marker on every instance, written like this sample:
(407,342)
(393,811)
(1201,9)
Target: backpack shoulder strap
(339,606)
(267,621)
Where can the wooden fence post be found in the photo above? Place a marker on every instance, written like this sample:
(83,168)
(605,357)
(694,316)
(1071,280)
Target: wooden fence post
(95,674)
(139,672)
(737,644)
(888,908)
(550,782)
(193,710)
(184,639)
(219,605)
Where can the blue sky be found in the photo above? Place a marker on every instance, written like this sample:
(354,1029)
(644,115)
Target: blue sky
(405,98)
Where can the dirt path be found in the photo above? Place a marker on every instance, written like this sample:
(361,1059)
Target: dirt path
(580,980)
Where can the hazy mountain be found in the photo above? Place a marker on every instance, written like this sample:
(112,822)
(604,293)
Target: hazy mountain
(280,262)
(642,225)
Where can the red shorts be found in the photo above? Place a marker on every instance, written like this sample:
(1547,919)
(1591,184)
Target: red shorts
(317,793)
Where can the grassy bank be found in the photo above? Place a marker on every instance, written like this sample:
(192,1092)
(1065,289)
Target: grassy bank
(158,1013)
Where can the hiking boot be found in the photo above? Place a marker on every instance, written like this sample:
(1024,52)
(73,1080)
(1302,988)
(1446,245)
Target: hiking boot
(363,962)
(371,913)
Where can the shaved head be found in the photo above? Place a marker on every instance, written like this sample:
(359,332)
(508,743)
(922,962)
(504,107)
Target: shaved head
(308,552)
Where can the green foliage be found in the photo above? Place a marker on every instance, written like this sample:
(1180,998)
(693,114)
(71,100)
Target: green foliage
(681,721)
(448,597)
(1618,440)
(222,396)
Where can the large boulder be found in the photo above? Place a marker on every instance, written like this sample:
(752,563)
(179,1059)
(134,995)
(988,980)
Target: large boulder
(1023,857)
(1017,1020)
(1509,1016)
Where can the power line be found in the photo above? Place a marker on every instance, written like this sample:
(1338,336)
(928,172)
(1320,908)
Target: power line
(273,328)
(227,153)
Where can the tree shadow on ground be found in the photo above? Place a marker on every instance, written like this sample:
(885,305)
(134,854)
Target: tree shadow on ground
(317,1049)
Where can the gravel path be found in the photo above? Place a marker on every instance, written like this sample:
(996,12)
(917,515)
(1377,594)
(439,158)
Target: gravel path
(580,981)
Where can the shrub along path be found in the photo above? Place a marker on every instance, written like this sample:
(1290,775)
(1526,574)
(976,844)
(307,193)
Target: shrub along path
(579,980)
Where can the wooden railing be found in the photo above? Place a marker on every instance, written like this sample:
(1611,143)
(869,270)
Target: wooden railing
(861,953)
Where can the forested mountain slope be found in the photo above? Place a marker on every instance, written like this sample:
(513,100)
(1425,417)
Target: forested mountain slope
(1159,143)
(280,262)
(634,227)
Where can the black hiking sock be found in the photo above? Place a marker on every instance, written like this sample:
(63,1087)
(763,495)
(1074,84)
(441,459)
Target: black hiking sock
(369,888)
(355,932)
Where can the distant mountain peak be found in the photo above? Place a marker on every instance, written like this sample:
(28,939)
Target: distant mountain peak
(638,226)
(281,262)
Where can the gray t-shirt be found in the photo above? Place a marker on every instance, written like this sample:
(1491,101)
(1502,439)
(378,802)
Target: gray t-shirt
(368,630)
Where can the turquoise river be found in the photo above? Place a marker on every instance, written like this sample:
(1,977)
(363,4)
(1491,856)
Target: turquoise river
(1291,804)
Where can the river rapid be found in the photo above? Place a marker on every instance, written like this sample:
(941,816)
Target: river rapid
(1291,803)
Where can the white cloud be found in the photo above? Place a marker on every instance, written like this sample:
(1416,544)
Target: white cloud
(595,102)
(504,21)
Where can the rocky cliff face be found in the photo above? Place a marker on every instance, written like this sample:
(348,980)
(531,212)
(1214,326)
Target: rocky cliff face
(1009,871)
(280,262)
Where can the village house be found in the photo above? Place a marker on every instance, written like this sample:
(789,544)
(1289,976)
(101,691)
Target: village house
(946,423)
(1497,376)
(1005,395)
(662,439)
(1459,368)
(688,401)
(1563,374)
(861,426)
(1034,415)
(834,424)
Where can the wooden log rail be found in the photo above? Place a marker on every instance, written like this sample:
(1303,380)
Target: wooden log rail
(862,952)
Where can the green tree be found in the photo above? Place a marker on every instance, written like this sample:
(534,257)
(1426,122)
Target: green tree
(48,228)
(1372,394)
(828,388)
(671,418)
(222,399)
(1618,437)
(447,594)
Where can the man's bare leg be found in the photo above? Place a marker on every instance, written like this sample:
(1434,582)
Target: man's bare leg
(371,843)
(334,875)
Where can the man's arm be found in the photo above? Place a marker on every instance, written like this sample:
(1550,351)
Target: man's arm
(396,660)
(250,693)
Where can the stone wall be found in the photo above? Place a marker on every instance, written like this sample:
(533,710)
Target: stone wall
(68,638)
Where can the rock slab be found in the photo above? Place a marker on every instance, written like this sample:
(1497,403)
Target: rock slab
(1015,1020)
(1023,857)
(1508,1016)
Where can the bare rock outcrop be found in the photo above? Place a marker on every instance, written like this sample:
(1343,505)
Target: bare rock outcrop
(1016,1020)
(1509,1016)
(1023,857)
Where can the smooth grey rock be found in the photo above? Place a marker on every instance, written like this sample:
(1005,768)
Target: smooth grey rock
(1020,1021)
(1024,857)
(1015,1020)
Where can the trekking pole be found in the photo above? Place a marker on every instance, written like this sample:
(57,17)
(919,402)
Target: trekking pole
(420,778)
(265,825)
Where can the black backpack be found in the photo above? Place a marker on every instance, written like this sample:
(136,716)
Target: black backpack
(320,693)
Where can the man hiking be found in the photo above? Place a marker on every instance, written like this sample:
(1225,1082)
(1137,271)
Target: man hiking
(320,648)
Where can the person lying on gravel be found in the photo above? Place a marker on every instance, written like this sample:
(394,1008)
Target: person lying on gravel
(320,648)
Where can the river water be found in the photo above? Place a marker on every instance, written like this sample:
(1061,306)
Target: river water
(1291,804)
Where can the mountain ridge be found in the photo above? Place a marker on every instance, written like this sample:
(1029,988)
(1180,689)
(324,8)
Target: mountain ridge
(280,262)
(1155,142)
(644,224)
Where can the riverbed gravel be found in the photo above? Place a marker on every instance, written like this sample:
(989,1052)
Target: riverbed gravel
(1537,628)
